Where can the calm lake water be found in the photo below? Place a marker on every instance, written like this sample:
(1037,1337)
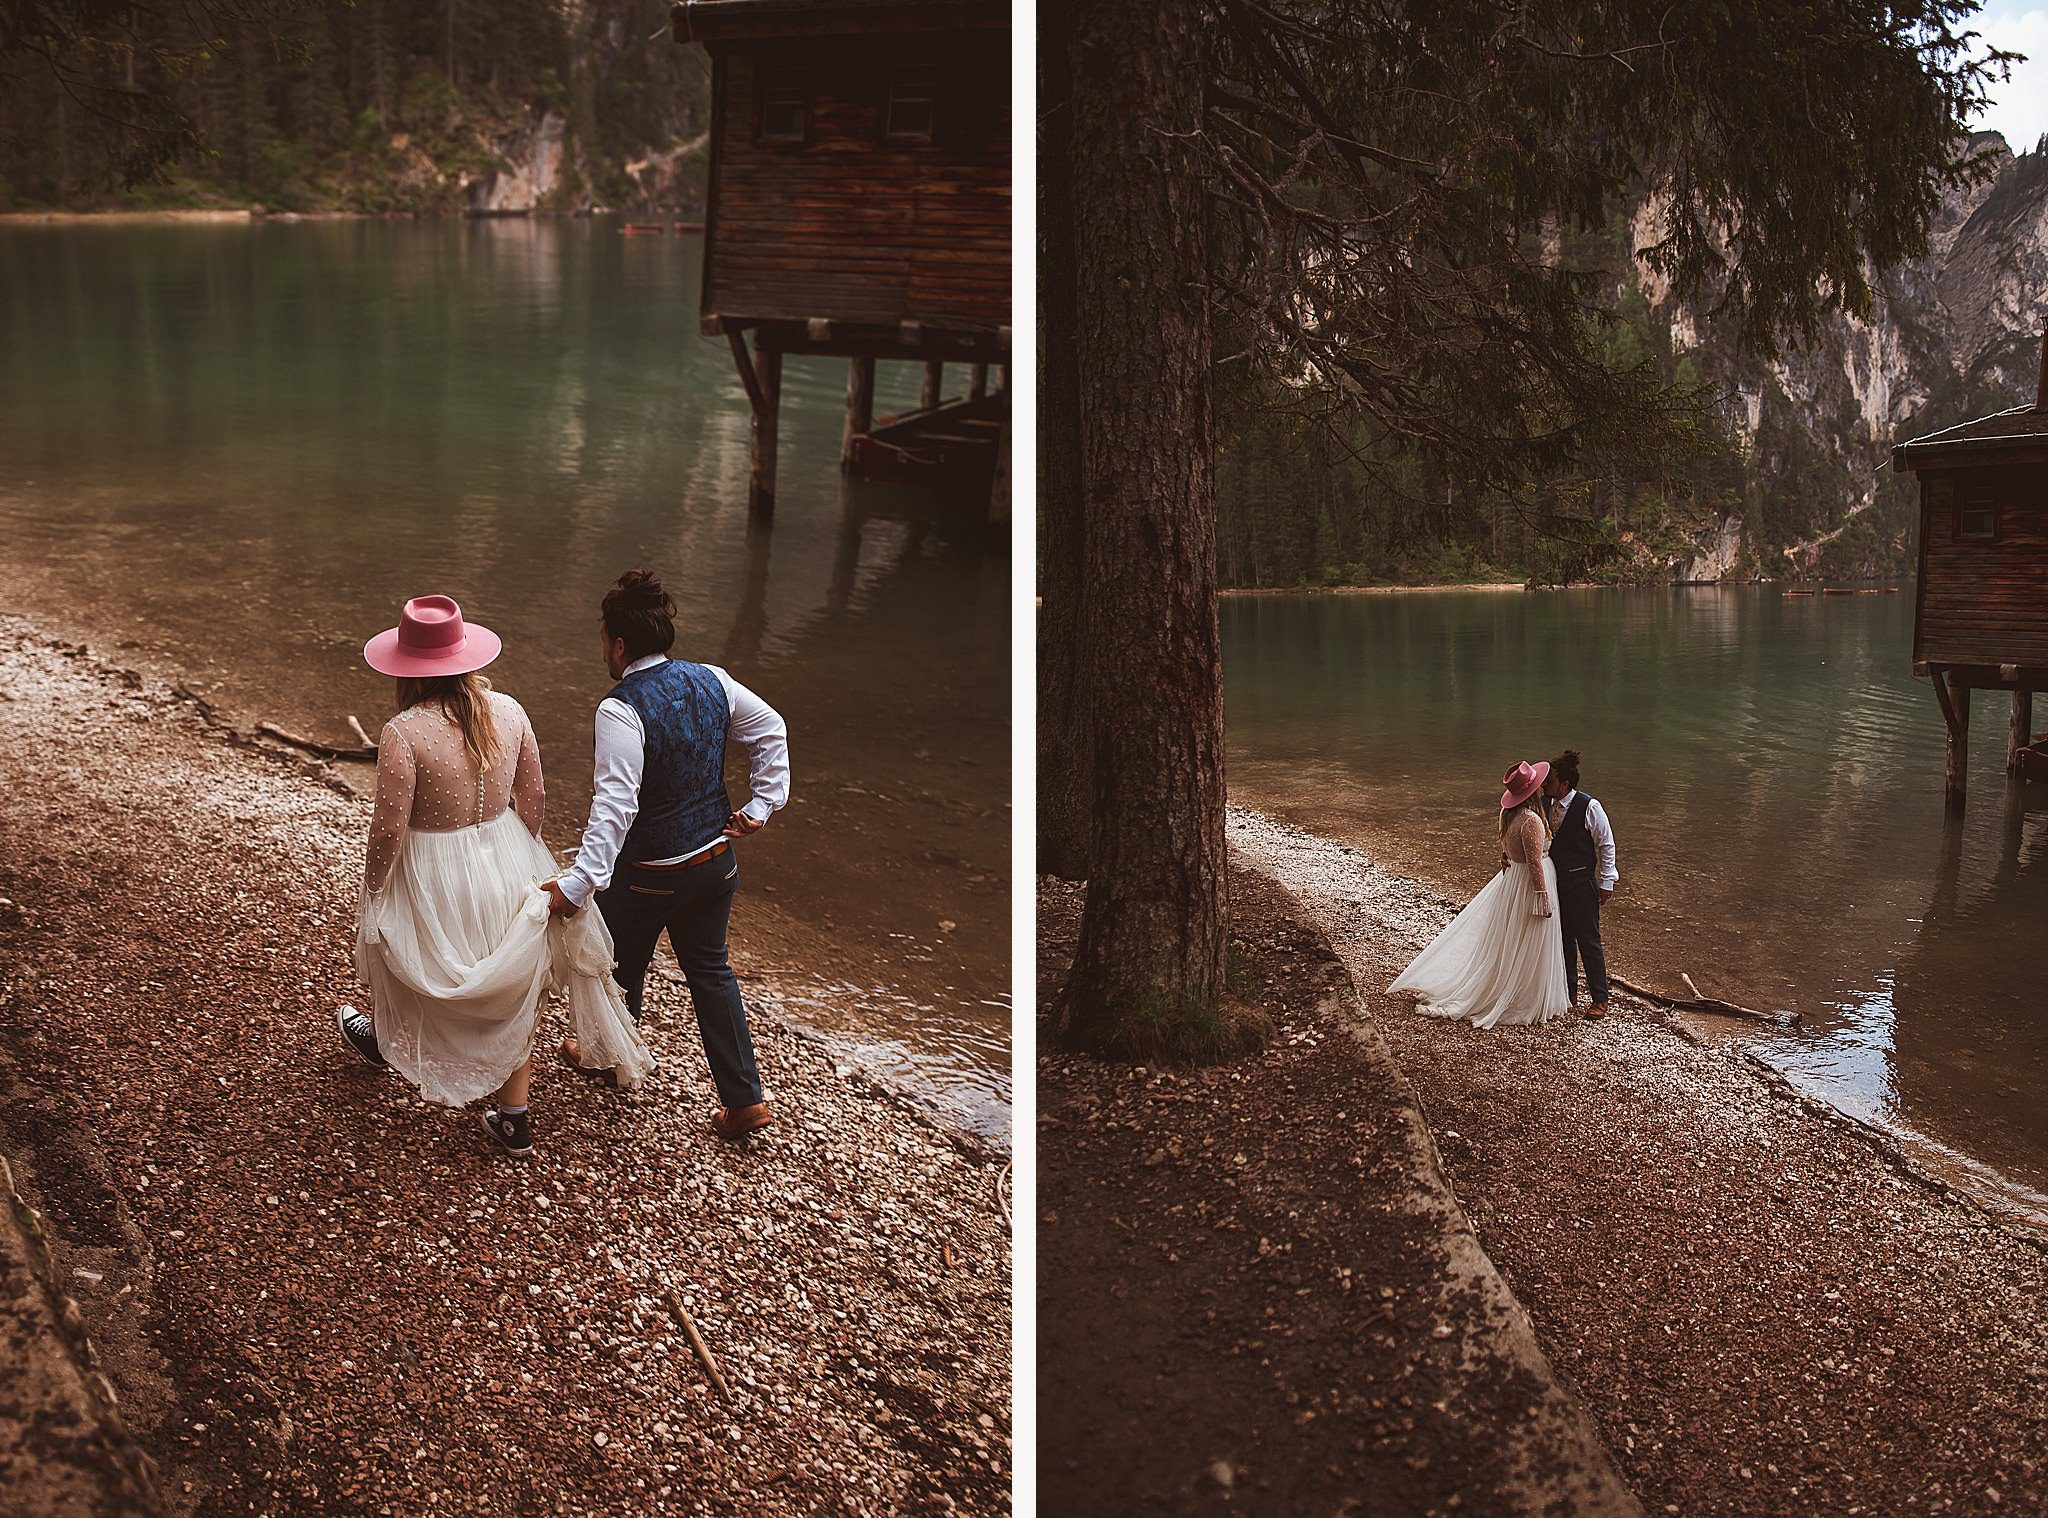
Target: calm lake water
(1774,775)
(238,448)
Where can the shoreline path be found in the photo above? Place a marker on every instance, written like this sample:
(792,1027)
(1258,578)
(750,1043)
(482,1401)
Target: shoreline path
(1763,1314)
(314,1293)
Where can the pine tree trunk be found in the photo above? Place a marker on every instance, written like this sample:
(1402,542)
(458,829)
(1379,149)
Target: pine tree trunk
(252,115)
(1065,738)
(383,63)
(1148,972)
(65,178)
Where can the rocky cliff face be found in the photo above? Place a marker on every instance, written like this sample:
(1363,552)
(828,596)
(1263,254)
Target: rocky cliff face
(1956,334)
(532,168)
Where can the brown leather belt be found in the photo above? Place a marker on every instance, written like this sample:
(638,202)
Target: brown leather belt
(720,847)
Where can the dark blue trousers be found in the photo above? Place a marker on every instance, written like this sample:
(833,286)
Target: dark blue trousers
(694,904)
(1578,917)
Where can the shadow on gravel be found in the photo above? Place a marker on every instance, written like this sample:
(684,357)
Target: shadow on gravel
(1251,1291)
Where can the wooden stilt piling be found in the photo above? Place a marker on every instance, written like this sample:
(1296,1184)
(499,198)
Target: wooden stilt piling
(934,385)
(2012,835)
(860,407)
(1955,714)
(2020,733)
(761,374)
(977,382)
(767,432)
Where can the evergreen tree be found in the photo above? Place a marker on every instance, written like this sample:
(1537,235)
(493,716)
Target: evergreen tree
(1392,191)
(296,102)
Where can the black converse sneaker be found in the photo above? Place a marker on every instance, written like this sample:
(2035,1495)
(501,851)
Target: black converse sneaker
(359,1033)
(511,1133)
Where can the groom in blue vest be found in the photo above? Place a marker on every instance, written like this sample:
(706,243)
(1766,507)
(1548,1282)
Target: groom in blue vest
(1582,848)
(658,849)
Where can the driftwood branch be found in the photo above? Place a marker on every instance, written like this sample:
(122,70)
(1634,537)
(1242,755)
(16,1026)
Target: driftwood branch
(219,725)
(1699,1003)
(357,728)
(675,1304)
(314,746)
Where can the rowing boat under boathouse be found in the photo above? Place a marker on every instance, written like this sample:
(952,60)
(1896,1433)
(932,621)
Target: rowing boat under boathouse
(859,207)
(1981,616)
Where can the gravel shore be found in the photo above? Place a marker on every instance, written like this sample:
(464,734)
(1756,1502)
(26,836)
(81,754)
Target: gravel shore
(316,1294)
(1256,1292)
(1767,1310)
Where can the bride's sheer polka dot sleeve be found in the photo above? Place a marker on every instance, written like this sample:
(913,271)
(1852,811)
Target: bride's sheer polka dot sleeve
(529,791)
(397,776)
(1535,843)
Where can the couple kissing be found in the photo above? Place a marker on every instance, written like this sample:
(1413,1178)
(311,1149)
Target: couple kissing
(1511,957)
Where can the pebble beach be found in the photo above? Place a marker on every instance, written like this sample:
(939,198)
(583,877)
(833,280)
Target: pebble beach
(312,1292)
(1766,1307)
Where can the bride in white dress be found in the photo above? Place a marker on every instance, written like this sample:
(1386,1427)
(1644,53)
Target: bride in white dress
(455,941)
(1501,961)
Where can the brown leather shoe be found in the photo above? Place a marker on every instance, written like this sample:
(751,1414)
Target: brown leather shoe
(569,1058)
(738,1122)
(1598,1009)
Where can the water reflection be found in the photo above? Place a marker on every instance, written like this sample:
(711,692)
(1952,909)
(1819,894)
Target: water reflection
(1775,777)
(1967,1055)
(239,447)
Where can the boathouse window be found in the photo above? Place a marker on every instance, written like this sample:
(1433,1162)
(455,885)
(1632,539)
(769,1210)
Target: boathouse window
(1977,514)
(785,114)
(912,109)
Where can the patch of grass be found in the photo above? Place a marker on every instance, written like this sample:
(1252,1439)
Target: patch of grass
(1186,1031)
(1243,980)
(1161,1031)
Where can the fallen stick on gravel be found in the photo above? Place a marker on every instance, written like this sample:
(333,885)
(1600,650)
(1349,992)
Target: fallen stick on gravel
(314,746)
(1698,1003)
(675,1303)
(210,715)
(206,708)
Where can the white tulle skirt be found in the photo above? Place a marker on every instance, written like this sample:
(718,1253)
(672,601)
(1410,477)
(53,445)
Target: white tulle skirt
(1497,963)
(459,948)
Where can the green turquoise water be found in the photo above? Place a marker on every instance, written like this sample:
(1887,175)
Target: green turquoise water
(1774,776)
(236,449)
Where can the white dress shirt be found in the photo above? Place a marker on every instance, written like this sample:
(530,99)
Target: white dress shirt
(1605,877)
(622,755)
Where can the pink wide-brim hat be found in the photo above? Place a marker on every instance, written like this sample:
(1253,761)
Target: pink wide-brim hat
(431,639)
(1522,782)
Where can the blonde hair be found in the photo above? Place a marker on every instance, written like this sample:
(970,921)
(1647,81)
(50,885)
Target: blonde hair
(462,701)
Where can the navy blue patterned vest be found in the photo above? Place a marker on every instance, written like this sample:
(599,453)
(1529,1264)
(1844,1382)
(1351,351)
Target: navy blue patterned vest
(683,804)
(1571,849)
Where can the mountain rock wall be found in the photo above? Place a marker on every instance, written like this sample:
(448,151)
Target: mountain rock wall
(1956,334)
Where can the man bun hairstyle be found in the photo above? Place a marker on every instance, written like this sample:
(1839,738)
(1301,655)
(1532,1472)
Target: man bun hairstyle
(1566,767)
(638,609)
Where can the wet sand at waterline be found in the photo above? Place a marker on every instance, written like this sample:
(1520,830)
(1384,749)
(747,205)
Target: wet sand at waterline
(228,454)
(1774,774)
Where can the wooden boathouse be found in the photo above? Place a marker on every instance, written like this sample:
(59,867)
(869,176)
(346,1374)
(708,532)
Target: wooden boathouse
(1980,617)
(859,207)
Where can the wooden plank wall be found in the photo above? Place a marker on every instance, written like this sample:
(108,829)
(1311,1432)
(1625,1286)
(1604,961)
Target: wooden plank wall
(849,227)
(1986,603)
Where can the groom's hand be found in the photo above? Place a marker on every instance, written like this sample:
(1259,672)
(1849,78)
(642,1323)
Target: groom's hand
(740,825)
(1606,895)
(559,905)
